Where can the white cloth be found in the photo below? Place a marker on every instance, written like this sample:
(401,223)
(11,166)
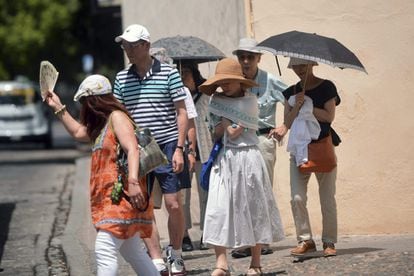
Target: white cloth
(303,130)
(106,251)
(241,209)
(241,110)
(189,104)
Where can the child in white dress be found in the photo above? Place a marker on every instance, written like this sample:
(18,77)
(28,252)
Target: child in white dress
(241,209)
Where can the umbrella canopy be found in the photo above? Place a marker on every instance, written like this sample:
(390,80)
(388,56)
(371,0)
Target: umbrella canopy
(312,47)
(189,48)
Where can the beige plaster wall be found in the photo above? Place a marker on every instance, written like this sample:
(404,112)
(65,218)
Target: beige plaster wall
(205,19)
(375,187)
(218,22)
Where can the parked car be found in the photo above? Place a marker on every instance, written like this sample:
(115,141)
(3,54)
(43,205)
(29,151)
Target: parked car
(23,116)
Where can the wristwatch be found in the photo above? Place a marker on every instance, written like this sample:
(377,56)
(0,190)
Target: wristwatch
(180,147)
(192,152)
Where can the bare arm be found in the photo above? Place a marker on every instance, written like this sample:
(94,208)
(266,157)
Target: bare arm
(182,123)
(279,131)
(192,141)
(124,131)
(218,131)
(73,127)
(327,113)
(232,132)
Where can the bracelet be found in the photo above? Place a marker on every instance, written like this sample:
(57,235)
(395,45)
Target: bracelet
(192,152)
(133,181)
(60,110)
(134,184)
(180,147)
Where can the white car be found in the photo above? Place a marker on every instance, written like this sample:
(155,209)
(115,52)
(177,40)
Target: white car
(23,116)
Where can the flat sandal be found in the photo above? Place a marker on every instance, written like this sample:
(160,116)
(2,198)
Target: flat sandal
(254,271)
(224,272)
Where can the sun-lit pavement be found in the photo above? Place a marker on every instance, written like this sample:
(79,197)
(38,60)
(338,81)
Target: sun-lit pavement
(357,255)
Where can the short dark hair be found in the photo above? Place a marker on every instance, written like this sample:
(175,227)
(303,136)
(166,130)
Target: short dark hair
(198,79)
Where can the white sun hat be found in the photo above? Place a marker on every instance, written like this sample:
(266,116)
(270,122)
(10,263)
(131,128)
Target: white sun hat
(247,45)
(93,85)
(299,61)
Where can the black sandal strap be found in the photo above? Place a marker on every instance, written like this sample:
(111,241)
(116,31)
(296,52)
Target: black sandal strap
(222,269)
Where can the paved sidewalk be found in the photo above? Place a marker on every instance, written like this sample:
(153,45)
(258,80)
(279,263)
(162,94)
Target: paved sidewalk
(357,255)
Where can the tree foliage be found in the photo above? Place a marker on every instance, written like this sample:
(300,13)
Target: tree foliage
(33,30)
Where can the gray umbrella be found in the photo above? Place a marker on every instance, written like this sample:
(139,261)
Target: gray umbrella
(312,47)
(189,48)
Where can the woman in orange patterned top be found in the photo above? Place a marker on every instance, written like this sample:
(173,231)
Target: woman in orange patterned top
(120,224)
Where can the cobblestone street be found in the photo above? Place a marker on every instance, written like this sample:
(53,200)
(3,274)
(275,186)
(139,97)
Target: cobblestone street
(59,239)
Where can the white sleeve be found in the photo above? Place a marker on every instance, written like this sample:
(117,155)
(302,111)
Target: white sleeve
(189,105)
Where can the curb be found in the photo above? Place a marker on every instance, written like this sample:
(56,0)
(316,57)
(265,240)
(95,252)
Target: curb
(79,235)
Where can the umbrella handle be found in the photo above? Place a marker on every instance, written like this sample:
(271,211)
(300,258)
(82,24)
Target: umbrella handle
(278,66)
(306,77)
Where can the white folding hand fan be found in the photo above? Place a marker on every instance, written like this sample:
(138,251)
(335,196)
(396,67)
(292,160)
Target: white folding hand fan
(48,77)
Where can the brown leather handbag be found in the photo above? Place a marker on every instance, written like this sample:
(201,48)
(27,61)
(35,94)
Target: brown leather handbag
(321,156)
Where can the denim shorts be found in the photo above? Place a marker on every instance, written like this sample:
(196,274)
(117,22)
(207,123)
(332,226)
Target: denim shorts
(169,181)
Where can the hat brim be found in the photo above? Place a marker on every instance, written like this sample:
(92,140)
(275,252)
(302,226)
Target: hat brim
(299,61)
(119,39)
(210,86)
(246,50)
(84,93)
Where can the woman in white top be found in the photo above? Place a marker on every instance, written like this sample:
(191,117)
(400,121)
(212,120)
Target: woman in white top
(241,210)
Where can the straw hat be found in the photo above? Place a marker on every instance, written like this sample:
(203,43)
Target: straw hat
(227,70)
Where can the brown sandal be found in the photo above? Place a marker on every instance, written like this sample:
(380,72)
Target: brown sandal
(254,271)
(222,272)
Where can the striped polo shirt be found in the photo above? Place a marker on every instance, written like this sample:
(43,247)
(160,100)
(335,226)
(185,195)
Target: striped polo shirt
(150,100)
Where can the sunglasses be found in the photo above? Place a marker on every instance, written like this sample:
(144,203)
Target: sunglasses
(246,56)
(129,45)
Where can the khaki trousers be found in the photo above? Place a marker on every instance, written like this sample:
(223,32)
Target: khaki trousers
(267,148)
(202,194)
(327,189)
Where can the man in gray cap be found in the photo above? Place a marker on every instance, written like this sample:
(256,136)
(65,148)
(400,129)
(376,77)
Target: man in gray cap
(154,95)
(269,93)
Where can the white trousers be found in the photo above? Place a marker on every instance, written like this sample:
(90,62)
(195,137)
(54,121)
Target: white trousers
(327,188)
(106,252)
(267,148)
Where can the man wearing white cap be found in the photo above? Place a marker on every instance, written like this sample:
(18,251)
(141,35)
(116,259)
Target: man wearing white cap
(154,95)
(269,93)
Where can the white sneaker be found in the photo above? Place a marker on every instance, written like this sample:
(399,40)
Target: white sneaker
(168,253)
(178,268)
(161,267)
